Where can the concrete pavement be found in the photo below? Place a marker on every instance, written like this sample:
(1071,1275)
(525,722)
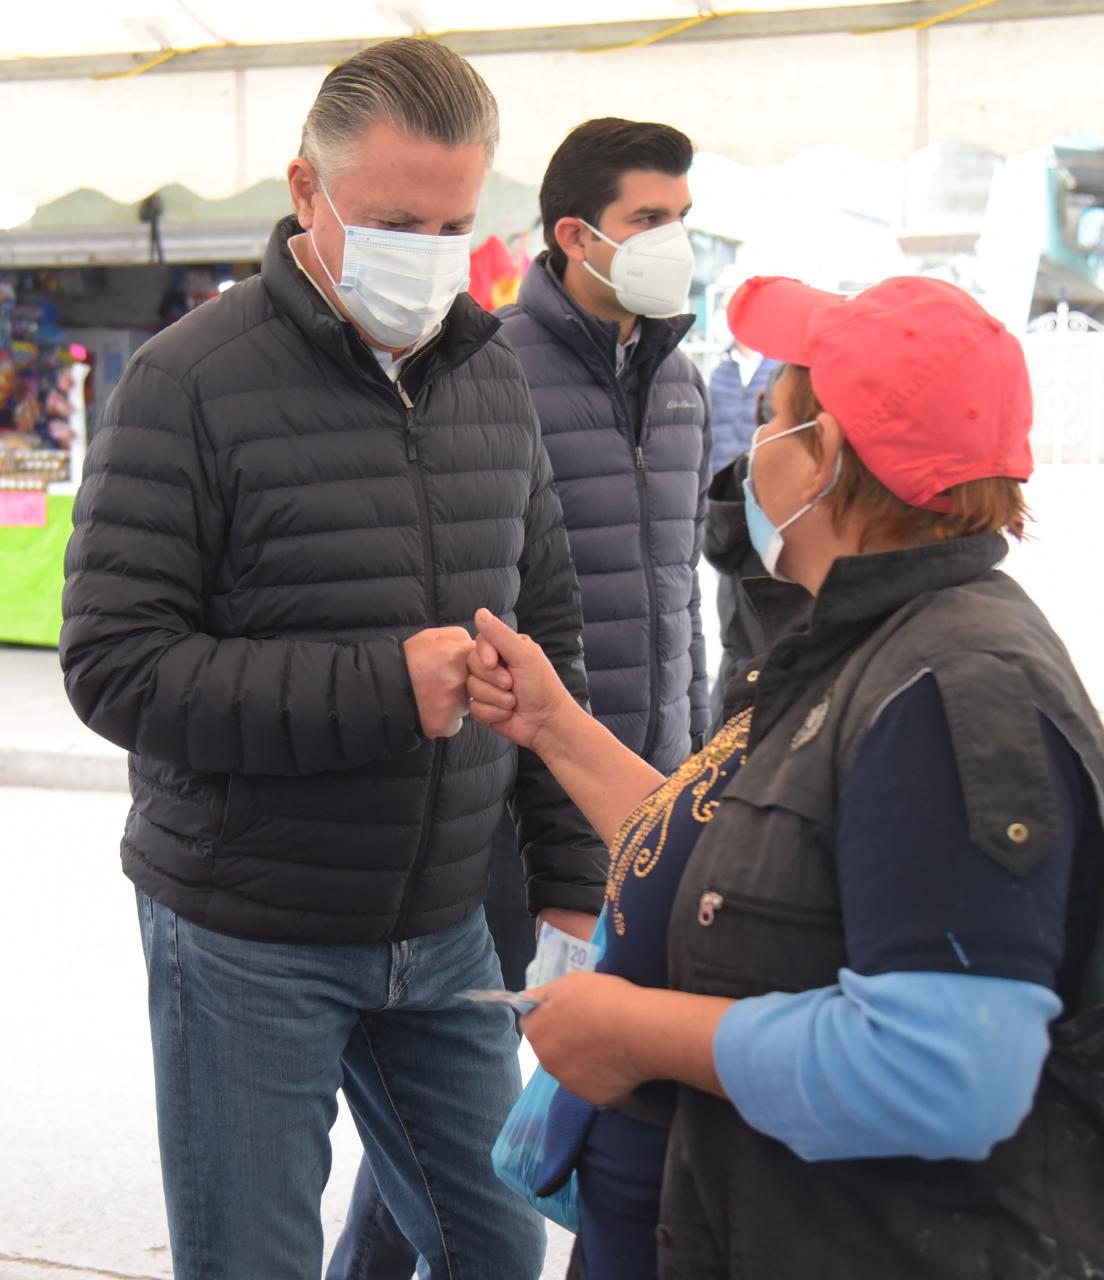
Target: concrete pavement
(42,743)
(80,1185)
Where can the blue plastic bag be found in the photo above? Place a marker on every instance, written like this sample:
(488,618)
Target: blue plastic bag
(519,1154)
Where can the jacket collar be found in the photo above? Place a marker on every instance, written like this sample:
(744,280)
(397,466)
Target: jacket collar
(465,329)
(543,296)
(859,593)
(867,587)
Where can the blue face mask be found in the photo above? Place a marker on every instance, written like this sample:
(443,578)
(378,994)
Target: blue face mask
(766,537)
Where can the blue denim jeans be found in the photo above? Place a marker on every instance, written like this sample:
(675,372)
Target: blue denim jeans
(251,1042)
(372,1246)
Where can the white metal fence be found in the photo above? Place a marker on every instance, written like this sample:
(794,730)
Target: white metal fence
(1065,355)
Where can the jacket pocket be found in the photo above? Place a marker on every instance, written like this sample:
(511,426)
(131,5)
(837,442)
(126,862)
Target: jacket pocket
(747,946)
(758,908)
(231,805)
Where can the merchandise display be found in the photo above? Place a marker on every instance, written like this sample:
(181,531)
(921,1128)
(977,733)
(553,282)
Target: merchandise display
(65,338)
(42,437)
(36,377)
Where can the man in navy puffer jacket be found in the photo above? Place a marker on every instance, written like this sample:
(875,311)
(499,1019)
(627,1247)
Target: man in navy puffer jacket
(624,416)
(738,381)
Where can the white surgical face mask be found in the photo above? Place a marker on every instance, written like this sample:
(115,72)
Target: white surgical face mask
(651,271)
(766,537)
(396,285)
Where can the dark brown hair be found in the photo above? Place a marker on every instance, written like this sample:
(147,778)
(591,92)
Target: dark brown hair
(583,177)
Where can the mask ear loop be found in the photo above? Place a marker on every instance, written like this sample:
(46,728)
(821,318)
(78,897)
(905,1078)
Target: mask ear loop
(757,443)
(586,265)
(310,231)
(822,494)
(600,234)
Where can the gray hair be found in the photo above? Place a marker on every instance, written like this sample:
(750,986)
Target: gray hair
(418,85)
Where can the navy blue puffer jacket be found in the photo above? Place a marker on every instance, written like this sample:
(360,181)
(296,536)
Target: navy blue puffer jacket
(630,459)
(733,407)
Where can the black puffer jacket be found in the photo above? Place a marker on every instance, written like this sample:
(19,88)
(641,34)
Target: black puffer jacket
(262,523)
(750,622)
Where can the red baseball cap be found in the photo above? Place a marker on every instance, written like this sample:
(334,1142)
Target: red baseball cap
(929,388)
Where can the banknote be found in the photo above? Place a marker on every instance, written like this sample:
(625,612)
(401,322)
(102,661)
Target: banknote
(520,1001)
(559,953)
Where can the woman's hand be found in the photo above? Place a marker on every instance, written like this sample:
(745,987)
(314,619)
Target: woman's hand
(579,1033)
(601,1036)
(513,688)
(512,685)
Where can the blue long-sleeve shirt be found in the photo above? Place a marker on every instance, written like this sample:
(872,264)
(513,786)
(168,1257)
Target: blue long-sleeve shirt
(937,1065)
(932,1042)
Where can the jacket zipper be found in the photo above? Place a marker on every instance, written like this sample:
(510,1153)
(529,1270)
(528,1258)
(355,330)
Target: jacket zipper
(708,906)
(408,434)
(710,902)
(636,445)
(431,620)
(649,568)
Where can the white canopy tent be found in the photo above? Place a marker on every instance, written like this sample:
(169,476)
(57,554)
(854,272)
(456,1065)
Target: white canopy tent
(212,96)
(804,115)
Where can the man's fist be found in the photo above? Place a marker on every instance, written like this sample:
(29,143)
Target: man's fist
(437,659)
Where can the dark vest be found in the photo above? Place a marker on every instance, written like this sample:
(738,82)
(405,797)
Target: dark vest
(739,1203)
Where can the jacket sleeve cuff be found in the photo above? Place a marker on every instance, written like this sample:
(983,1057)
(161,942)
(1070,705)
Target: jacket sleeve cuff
(544,894)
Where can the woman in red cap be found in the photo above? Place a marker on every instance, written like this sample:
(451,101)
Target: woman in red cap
(855,941)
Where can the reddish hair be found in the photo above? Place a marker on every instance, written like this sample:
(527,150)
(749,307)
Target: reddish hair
(976,506)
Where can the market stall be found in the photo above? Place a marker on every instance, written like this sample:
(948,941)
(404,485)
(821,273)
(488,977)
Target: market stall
(42,433)
(54,377)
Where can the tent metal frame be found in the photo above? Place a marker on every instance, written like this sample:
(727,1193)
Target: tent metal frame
(857,19)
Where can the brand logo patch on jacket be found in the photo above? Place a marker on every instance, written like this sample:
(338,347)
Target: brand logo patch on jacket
(681,404)
(812,724)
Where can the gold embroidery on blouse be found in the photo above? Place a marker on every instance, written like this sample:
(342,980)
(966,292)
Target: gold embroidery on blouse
(639,844)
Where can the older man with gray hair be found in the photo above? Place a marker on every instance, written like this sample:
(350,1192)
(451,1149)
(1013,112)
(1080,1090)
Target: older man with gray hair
(299,496)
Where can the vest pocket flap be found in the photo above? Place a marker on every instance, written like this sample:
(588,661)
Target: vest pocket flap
(785,787)
(1002,759)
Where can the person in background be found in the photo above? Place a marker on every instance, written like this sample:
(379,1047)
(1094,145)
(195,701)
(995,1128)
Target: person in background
(747,624)
(857,941)
(300,493)
(624,417)
(739,397)
(735,389)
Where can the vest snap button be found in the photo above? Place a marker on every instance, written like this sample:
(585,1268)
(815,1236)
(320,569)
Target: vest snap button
(1017,833)
(752,676)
